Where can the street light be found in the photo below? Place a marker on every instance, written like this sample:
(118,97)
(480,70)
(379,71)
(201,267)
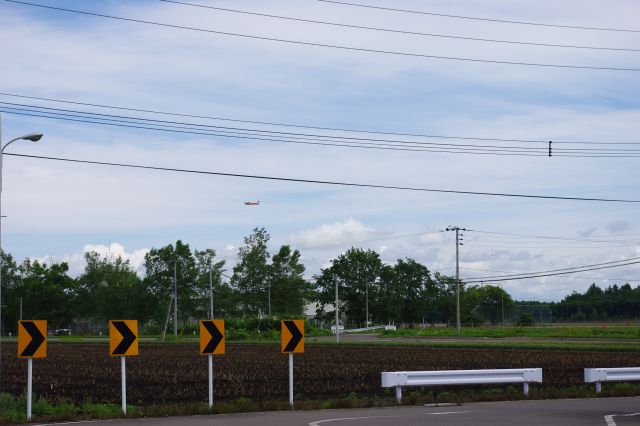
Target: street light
(32,137)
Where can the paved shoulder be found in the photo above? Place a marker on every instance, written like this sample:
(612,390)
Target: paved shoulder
(596,411)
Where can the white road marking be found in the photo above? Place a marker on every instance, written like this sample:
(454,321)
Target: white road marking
(609,418)
(448,412)
(79,422)
(318,422)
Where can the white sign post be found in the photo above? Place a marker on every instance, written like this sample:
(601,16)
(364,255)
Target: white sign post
(29,387)
(210,381)
(124,384)
(291,380)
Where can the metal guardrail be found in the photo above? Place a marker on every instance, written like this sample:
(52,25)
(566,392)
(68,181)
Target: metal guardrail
(364,329)
(398,379)
(599,375)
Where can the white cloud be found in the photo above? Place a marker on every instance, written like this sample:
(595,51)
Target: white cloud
(54,207)
(345,232)
(114,250)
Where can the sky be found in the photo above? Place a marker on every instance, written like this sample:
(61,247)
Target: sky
(56,211)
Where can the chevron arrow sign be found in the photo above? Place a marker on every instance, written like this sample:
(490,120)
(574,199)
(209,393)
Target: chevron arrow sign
(123,337)
(292,336)
(212,337)
(32,339)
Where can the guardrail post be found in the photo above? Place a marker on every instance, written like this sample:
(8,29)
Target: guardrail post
(598,387)
(525,388)
(398,394)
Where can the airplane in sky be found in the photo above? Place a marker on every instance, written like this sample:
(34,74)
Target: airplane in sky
(252,203)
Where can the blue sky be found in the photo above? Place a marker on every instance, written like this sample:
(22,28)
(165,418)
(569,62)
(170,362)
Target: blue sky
(56,211)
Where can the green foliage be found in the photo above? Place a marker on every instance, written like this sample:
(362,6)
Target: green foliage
(487,303)
(289,289)
(250,275)
(525,320)
(614,302)
(357,273)
(110,288)
(405,292)
(47,292)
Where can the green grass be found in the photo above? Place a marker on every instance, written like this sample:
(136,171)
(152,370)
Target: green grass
(613,332)
(585,346)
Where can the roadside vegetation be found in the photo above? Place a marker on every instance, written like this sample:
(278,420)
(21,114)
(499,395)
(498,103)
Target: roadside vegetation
(275,285)
(568,332)
(13,410)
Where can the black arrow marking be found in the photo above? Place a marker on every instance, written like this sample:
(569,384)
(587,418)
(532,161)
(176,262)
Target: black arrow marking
(216,337)
(127,338)
(296,336)
(36,338)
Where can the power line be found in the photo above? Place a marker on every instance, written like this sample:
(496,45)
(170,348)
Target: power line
(584,278)
(563,270)
(503,21)
(551,274)
(324,182)
(547,237)
(398,31)
(553,247)
(280,124)
(235,130)
(299,138)
(508,240)
(325,45)
(388,237)
(250,133)
(451,150)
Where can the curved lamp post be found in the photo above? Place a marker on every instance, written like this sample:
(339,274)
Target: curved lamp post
(32,137)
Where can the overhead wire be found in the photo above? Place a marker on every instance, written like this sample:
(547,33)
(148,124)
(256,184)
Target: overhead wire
(323,182)
(292,125)
(595,266)
(236,130)
(397,31)
(383,238)
(552,247)
(331,46)
(481,279)
(451,150)
(141,123)
(546,237)
(475,18)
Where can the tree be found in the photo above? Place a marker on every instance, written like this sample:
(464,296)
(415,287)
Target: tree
(161,265)
(445,298)
(485,303)
(11,294)
(209,281)
(110,289)
(289,289)
(357,272)
(417,289)
(407,292)
(251,273)
(48,292)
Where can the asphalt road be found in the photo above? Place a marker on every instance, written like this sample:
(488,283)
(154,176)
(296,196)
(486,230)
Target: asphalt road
(597,411)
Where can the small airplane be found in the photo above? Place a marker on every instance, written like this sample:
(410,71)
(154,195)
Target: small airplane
(252,203)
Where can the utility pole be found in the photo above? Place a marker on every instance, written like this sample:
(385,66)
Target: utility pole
(175,298)
(337,316)
(366,303)
(211,292)
(458,243)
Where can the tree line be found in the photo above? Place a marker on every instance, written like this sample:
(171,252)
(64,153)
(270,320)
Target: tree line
(595,304)
(265,285)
